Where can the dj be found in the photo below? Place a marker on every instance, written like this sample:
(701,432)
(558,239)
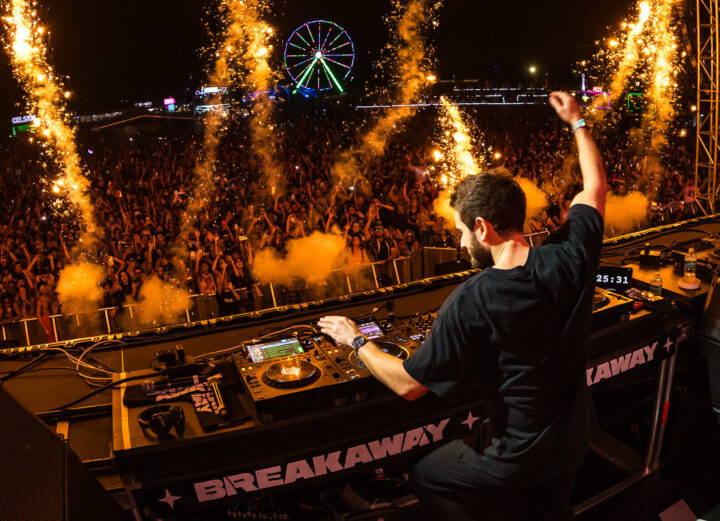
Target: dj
(517,333)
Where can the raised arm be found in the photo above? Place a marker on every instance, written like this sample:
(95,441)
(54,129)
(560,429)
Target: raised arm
(594,178)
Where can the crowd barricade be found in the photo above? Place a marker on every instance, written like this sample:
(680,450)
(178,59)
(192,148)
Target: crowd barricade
(431,257)
(341,281)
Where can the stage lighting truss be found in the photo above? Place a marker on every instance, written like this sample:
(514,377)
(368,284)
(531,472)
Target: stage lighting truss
(708,89)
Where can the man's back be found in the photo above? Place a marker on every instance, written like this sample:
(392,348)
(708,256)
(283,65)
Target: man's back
(519,337)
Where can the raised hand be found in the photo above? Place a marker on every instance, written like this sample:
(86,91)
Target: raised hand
(565,106)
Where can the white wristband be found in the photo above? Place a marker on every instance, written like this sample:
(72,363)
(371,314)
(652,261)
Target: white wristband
(578,125)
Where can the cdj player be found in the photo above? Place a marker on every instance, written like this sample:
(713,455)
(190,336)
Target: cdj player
(293,375)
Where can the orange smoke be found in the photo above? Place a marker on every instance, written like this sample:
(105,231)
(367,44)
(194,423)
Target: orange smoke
(260,78)
(79,288)
(160,302)
(442,208)
(625,213)
(311,258)
(537,200)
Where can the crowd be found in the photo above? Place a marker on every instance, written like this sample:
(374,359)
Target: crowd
(140,185)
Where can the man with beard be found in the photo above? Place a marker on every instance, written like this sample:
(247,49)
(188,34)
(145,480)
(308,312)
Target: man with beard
(515,334)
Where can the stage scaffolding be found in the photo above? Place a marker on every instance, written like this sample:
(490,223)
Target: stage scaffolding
(708,85)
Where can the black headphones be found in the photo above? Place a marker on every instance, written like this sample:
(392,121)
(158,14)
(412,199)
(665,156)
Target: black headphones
(161,418)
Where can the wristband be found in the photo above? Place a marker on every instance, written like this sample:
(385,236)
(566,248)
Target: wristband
(578,125)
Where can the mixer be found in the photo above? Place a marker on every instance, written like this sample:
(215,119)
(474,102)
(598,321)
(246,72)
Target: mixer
(290,375)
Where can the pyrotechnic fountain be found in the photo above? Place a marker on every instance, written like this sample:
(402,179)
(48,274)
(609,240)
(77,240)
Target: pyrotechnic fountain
(643,55)
(410,65)
(47,101)
(78,283)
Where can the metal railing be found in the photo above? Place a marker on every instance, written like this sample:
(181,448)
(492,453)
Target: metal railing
(426,262)
(342,281)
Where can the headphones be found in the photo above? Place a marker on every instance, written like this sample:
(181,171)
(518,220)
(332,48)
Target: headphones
(161,418)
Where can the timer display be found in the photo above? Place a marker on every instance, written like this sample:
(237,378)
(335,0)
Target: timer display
(613,278)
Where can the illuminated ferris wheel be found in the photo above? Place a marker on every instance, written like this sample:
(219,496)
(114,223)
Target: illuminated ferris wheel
(319,55)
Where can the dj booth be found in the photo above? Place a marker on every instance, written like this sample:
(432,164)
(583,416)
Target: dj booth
(205,417)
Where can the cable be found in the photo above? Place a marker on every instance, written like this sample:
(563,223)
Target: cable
(86,351)
(86,377)
(227,349)
(374,310)
(14,373)
(290,328)
(41,369)
(96,391)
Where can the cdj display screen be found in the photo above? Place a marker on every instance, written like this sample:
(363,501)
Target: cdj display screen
(370,329)
(276,348)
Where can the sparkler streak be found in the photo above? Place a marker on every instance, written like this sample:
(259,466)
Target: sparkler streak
(247,41)
(46,96)
(411,59)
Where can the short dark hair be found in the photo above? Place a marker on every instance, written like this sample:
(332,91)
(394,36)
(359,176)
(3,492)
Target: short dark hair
(497,198)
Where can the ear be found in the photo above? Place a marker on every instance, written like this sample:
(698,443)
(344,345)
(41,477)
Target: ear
(481,228)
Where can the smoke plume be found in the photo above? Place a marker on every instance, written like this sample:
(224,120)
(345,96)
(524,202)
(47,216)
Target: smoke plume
(311,258)
(625,213)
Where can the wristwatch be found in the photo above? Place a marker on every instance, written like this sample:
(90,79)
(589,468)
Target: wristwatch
(358,342)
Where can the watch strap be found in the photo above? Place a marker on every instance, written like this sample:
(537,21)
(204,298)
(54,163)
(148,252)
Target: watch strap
(358,342)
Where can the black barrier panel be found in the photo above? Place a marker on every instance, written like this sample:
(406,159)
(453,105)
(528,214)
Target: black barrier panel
(36,332)
(81,325)
(15,331)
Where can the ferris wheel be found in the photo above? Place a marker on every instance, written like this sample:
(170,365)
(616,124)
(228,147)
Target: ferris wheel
(319,55)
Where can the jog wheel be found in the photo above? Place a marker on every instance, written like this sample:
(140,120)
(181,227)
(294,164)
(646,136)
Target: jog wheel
(387,347)
(600,300)
(290,374)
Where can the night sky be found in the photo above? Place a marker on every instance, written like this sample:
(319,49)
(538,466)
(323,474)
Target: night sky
(144,50)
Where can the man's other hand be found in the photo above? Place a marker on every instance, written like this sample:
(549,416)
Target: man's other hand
(341,329)
(565,106)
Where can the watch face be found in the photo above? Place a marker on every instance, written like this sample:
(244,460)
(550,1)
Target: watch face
(359,341)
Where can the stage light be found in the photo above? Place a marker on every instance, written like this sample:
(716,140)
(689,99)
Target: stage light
(67,94)
(431,78)
(683,133)
(532,69)
(693,108)
(497,155)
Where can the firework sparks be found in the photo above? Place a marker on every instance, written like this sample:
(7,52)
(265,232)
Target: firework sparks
(241,58)
(458,145)
(644,56)
(630,50)
(662,90)
(410,63)
(45,95)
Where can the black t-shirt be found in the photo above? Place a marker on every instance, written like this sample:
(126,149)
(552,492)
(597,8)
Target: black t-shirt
(379,249)
(519,337)
(227,305)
